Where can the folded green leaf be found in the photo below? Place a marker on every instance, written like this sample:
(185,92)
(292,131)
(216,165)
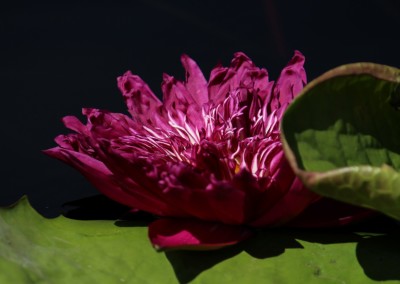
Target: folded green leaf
(342,136)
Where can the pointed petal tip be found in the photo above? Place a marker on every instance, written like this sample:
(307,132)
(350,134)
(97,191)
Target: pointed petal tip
(73,123)
(298,52)
(188,63)
(240,54)
(240,58)
(297,58)
(123,77)
(166,78)
(48,152)
(185,57)
(126,74)
(52,152)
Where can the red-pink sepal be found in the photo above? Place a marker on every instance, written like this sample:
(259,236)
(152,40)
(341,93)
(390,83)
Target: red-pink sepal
(190,234)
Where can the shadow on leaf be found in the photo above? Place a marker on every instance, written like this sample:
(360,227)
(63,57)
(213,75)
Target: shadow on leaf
(100,207)
(93,208)
(189,264)
(379,256)
(378,251)
(270,243)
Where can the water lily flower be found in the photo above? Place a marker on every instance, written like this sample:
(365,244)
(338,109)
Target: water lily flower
(207,159)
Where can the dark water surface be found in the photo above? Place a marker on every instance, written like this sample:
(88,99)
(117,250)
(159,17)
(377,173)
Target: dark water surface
(57,57)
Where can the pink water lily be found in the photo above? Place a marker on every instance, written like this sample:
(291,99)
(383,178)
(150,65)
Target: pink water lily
(207,159)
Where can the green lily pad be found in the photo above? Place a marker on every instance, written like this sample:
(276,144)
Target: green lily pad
(34,249)
(342,136)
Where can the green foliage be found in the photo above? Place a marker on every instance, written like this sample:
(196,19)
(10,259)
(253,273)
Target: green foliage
(34,249)
(342,136)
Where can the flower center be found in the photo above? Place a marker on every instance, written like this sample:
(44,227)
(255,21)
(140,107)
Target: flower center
(224,143)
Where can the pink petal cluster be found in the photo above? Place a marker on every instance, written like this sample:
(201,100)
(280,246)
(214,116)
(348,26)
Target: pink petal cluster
(207,159)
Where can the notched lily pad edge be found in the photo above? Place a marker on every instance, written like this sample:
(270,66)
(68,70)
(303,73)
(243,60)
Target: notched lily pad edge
(22,200)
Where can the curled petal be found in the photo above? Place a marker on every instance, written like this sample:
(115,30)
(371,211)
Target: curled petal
(73,123)
(196,84)
(217,87)
(142,104)
(179,103)
(241,75)
(290,83)
(168,234)
(95,171)
(107,124)
(137,177)
(75,142)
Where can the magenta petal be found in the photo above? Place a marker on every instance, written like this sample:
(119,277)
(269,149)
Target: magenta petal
(208,158)
(295,201)
(100,176)
(140,100)
(109,125)
(187,234)
(138,178)
(217,85)
(291,81)
(73,123)
(196,84)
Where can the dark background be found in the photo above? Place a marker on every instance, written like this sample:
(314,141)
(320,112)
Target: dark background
(57,57)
